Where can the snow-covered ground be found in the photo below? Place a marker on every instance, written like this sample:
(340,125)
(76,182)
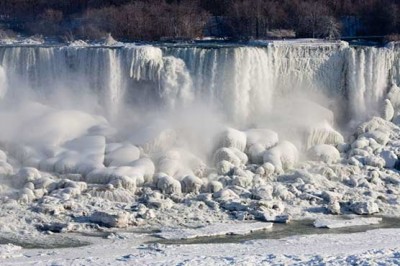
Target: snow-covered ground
(380,247)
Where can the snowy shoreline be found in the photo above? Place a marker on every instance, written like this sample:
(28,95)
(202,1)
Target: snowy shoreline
(381,246)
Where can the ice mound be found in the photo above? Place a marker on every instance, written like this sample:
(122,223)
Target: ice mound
(167,184)
(258,141)
(179,163)
(325,153)
(387,110)
(283,156)
(154,140)
(122,155)
(140,171)
(232,138)
(78,156)
(231,155)
(377,123)
(394,97)
(323,134)
(265,137)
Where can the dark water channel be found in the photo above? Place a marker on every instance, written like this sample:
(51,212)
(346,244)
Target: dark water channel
(278,231)
(294,228)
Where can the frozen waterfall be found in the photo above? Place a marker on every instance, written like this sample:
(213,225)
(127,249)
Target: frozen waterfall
(245,83)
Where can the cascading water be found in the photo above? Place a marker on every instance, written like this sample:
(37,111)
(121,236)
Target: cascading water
(148,93)
(243,82)
(370,74)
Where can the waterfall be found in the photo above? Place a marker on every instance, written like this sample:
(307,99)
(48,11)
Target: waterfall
(243,82)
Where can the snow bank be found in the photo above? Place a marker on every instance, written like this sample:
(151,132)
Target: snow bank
(334,223)
(214,230)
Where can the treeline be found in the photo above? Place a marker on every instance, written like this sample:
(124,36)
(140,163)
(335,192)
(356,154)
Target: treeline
(187,19)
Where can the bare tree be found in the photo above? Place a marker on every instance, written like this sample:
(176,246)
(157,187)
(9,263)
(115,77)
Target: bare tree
(49,23)
(313,19)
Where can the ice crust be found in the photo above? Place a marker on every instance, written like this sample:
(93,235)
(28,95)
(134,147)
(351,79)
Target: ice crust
(214,230)
(333,223)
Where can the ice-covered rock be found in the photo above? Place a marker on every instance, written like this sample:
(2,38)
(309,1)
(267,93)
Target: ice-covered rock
(214,186)
(122,156)
(381,137)
(262,192)
(390,158)
(394,97)
(387,110)
(168,185)
(242,181)
(118,220)
(377,123)
(283,156)
(191,184)
(364,207)
(232,155)
(275,218)
(180,163)
(5,168)
(232,138)
(334,207)
(269,168)
(145,169)
(225,194)
(26,195)
(154,140)
(264,137)
(343,147)
(113,194)
(25,175)
(325,153)
(141,170)
(323,134)
(375,161)
(126,182)
(360,143)
(256,153)
(79,155)
(224,167)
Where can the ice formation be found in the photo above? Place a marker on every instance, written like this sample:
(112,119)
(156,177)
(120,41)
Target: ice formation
(262,132)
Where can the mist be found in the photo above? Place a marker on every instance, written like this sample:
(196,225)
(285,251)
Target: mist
(179,100)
